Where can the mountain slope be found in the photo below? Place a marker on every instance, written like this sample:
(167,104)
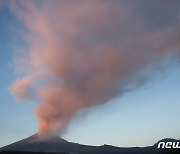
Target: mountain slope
(57,144)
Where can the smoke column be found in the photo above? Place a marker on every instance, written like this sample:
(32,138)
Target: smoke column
(83,53)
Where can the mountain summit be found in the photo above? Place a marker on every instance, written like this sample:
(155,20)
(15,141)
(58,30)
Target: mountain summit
(35,138)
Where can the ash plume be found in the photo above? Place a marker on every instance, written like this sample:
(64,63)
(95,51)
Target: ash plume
(83,53)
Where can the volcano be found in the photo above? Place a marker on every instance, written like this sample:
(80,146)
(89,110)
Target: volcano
(54,144)
(58,145)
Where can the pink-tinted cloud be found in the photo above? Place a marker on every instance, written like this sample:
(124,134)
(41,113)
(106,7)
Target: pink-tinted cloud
(84,53)
(22,88)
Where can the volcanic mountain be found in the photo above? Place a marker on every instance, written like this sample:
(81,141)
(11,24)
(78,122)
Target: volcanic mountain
(54,144)
(59,145)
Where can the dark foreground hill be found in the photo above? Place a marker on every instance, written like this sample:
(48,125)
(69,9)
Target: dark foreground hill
(57,145)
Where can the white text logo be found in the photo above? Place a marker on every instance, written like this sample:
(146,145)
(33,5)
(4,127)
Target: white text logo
(169,145)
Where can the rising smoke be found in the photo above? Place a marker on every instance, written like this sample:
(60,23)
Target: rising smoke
(83,53)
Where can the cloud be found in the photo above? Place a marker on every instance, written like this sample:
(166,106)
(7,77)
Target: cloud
(84,53)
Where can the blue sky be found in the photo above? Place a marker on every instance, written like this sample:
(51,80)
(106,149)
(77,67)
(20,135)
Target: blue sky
(138,118)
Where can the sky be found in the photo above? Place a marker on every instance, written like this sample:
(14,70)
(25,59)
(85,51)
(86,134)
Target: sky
(136,116)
